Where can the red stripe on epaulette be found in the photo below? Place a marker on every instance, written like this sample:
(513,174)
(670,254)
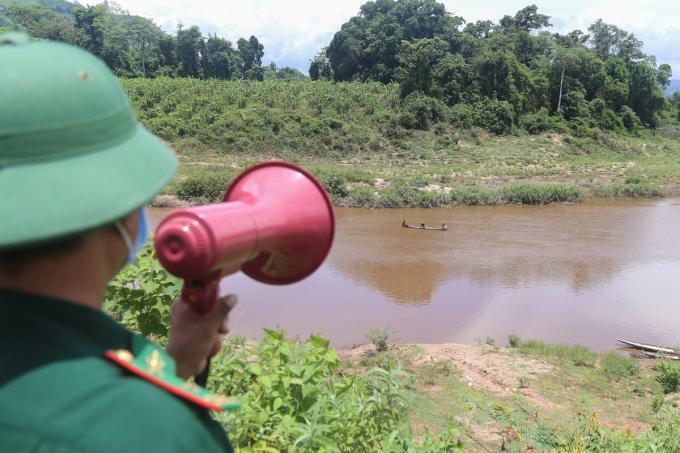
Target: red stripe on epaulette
(132,368)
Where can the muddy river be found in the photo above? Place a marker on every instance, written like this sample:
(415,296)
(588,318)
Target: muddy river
(584,273)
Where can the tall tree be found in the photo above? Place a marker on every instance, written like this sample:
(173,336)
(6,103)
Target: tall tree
(91,23)
(367,47)
(609,40)
(189,46)
(145,39)
(251,52)
(320,67)
(218,58)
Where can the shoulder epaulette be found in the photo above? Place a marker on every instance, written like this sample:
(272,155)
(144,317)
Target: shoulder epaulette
(153,365)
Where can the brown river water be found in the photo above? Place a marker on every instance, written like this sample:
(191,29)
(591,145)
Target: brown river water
(583,273)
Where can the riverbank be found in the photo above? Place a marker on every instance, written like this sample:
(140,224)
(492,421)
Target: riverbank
(479,169)
(361,141)
(531,396)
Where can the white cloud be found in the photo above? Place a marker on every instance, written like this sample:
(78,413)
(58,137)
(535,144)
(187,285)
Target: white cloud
(293,31)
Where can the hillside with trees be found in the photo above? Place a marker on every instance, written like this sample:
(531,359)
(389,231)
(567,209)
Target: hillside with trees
(410,105)
(504,74)
(133,46)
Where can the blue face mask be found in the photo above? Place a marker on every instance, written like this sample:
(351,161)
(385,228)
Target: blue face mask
(140,240)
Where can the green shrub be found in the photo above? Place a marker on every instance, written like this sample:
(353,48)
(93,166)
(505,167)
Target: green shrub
(616,366)
(494,116)
(335,185)
(399,195)
(514,341)
(204,187)
(669,376)
(473,196)
(540,194)
(630,119)
(462,116)
(574,105)
(536,123)
(361,196)
(420,112)
(141,295)
(603,117)
(293,400)
(379,338)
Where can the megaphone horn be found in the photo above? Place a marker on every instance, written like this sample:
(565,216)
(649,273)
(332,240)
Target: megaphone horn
(275,223)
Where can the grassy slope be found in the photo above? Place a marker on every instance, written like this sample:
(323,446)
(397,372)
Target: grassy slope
(518,399)
(351,131)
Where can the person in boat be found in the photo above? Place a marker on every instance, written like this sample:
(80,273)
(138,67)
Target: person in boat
(403,223)
(422,226)
(444,227)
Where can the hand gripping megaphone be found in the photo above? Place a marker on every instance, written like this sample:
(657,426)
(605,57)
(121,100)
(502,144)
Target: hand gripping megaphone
(275,223)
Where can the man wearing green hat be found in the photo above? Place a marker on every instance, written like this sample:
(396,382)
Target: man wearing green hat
(76,170)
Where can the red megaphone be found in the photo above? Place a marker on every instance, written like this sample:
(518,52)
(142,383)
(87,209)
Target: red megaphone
(275,223)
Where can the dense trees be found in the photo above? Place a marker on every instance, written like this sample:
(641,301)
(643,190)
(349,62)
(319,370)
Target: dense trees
(134,46)
(447,69)
(600,79)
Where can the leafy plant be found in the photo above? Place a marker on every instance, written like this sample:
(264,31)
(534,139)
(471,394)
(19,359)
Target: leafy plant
(294,400)
(514,341)
(141,295)
(379,338)
(669,376)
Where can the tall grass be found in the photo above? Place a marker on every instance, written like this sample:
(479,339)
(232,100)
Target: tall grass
(636,189)
(616,366)
(204,187)
(540,193)
(576,354)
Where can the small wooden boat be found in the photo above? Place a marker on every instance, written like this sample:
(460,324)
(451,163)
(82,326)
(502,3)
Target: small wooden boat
(649,348)
(425,227)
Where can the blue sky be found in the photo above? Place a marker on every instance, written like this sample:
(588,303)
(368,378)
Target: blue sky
(293,31)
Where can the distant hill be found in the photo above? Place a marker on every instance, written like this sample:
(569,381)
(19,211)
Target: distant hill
(673,87)
(58,6)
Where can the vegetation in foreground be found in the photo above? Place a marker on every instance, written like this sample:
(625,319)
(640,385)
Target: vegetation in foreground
(305,396)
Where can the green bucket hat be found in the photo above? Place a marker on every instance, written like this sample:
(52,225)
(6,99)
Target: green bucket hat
(72,155)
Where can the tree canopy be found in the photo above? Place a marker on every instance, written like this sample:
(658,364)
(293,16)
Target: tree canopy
(518,61)
(133,46)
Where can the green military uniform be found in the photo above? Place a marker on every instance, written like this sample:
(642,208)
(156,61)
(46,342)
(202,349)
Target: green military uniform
(59,393)
(74,158)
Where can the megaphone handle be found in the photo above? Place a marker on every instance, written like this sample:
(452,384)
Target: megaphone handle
(202,378)
(202,296)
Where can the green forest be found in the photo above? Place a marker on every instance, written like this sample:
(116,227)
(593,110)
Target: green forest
(495,75)
(408,105)
(133,46)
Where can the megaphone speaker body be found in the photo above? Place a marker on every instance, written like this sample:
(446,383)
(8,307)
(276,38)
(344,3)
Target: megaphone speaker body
(275,223)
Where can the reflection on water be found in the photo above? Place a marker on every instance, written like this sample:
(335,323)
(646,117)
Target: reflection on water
(584,273)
